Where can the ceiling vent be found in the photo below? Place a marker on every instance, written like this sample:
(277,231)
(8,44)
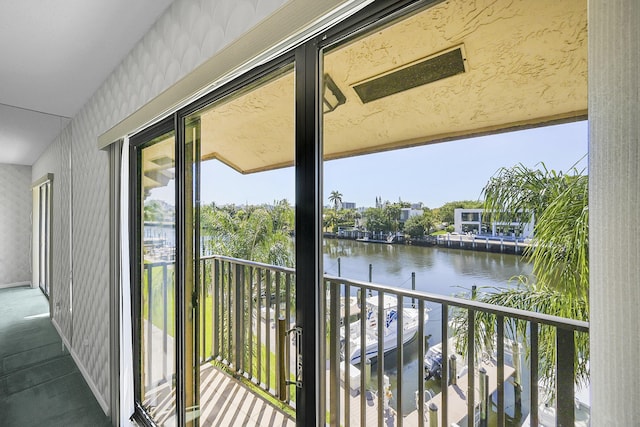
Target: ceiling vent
(434,68)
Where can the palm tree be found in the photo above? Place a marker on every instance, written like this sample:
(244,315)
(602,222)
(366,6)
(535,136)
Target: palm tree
(330,220)
(558,203)
(336,198)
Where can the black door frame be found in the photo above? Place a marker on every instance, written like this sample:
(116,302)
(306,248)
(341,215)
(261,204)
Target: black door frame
(307,59)
(136,144)
(311,406)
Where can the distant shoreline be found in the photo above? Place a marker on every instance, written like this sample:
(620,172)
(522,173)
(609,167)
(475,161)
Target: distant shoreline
(496,244)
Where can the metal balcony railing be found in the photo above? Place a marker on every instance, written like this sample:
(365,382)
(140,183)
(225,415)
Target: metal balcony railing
(242,301)
(158,315)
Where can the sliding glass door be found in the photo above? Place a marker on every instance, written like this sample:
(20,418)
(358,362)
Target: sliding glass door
(216,248)
(155,274)
(239,151)
(229,243)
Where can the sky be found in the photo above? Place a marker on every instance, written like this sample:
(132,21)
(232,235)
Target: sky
(432,174)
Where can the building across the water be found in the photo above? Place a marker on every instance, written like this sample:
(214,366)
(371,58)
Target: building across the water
(477,221)
(406,213)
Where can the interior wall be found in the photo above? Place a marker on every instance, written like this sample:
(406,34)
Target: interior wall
(57,161)
(15,224)
(188,33)
(614,203)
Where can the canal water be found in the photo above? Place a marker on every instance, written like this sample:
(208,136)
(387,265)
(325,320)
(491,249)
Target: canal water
(437,270)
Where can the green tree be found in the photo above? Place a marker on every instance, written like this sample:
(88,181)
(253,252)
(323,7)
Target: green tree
(346,217)
(392,215)
(414,226)
(283,216)
(153,211)
(336,198)
(256,233)
(330,220)
(558,203)
(428,220)
(374,219)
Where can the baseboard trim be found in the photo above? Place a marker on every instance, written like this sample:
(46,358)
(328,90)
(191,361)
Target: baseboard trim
(15,285)
(94,389)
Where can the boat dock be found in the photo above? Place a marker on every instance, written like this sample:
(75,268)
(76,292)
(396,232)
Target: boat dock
(357,401)
(457,394)
(483,243)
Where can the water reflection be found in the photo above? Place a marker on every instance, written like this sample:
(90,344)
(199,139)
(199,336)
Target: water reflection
(437,270)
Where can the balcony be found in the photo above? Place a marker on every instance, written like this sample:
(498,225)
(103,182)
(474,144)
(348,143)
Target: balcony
(247,329)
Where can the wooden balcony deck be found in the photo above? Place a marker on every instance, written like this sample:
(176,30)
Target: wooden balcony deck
(225,401)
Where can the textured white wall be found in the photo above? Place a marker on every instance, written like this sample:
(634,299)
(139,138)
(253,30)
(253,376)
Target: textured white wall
(56,160)
(15,224)
(614,204)
(189,32)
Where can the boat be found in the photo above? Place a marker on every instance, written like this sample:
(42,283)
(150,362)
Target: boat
(433,362)
(389,329)
(547,410)
(390,239)
(433,358)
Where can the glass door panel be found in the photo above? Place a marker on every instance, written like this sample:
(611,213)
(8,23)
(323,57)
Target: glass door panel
(242,242)
(191,271)
(157,291)
(378,93)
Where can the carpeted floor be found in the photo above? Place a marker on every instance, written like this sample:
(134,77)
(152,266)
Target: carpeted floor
(39,381)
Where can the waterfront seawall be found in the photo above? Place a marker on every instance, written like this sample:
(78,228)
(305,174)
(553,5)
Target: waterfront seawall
(455,241)
(484,244)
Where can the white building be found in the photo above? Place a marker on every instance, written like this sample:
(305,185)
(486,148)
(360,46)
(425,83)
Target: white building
(406,213)
(475,221)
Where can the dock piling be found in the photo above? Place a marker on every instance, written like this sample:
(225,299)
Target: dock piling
(413,288)
(484,397)
(453,370)
(517,389)
(433,415)
(367,374)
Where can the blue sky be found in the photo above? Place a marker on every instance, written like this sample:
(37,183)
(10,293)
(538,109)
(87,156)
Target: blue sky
(432,174)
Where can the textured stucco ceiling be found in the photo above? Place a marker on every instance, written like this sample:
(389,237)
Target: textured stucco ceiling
(158,162)
(55,55)
(526,65)
(253,131)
